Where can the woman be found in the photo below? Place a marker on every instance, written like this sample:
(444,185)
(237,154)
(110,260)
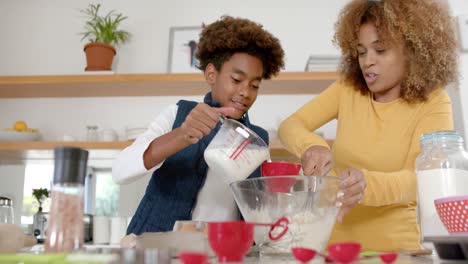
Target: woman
(397,56)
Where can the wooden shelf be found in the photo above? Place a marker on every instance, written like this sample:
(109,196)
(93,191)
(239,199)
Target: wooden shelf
(47,145)
(20,152)
(101,85)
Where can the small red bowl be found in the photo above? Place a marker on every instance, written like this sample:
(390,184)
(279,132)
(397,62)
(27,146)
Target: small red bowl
(187,257)
(230,240)
(280,168)
(453,212)
(345,252)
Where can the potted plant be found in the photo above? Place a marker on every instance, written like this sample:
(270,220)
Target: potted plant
(40,217)
(40,195)
(103,35)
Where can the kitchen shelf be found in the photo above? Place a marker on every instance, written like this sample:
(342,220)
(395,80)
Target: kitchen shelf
(19,152)
(105,85)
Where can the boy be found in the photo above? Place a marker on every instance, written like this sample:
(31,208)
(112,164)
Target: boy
(235,55)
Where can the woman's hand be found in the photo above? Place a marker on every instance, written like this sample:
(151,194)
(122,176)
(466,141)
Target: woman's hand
(352,189)
(317,160)
(201,120)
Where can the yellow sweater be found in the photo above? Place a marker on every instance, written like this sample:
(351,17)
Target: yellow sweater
(382,140)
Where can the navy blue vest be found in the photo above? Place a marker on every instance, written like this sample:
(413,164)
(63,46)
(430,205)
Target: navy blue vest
(173,189)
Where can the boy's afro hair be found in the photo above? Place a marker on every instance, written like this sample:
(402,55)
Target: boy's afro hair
(221,39)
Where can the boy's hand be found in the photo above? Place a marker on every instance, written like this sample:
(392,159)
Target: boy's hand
(317,161)
(352,187)
(201,120)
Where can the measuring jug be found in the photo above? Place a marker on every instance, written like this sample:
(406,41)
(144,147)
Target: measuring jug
(235,151)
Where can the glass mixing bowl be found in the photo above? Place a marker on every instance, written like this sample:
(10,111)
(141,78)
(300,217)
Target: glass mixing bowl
(309,202)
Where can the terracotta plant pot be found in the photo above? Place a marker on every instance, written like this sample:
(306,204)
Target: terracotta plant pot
(99,56)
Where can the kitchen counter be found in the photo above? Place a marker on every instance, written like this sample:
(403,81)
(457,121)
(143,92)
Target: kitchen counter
(107,255)
(402,259)
(101,252)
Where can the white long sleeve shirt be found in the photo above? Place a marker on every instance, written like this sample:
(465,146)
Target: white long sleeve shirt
(214,202)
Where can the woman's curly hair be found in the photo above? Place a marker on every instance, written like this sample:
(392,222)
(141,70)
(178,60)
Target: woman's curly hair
(428,35)
(221,39)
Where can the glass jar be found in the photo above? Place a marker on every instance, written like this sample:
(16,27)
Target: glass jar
(65,227)
(441,171)
(92,133)
(6,211)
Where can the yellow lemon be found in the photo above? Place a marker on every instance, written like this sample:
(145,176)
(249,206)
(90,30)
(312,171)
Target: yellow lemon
(20,126)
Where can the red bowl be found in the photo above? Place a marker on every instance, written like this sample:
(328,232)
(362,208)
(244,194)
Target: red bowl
(280,168)
(453,212)
(230,240)
(193,257)
(345,252)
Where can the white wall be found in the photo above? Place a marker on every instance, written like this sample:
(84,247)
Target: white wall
(70,116)
(11,186)
(460,7)
(41,36)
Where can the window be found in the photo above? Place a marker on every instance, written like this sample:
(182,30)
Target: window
(36,176)
(101,195)
(107,196)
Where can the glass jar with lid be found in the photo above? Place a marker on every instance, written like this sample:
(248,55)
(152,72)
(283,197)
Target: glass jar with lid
(441,171)
(6,210)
